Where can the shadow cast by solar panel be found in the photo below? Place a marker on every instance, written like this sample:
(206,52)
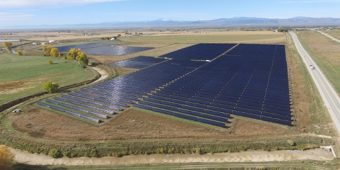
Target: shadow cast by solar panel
(249,81)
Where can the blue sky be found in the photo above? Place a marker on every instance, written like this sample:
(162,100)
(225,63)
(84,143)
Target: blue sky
(59,12)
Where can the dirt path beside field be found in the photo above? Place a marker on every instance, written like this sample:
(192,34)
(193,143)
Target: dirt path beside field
(102,72)
(247,156)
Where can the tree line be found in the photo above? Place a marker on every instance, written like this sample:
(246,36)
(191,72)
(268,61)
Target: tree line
(73,54)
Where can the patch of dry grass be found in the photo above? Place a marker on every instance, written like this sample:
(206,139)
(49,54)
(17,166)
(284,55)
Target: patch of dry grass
(325,52)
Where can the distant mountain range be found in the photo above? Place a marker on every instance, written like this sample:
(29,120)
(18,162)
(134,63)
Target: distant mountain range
(217,23)
(231,22)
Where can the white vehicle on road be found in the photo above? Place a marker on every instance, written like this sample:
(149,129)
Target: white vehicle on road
(326,90)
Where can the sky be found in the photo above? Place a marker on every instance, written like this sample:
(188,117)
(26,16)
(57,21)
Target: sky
(65,12)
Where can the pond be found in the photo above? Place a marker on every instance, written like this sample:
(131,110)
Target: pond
(105,49)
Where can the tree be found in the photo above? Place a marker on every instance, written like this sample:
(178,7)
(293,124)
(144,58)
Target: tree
(51,87)
(6,158)
(47,50)
(72,53)
(8,45)
(82,59)
(54,52)
(283,30)
(78,55)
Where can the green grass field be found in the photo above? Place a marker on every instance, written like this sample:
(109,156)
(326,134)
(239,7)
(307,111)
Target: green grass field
(325,52)
(24,75)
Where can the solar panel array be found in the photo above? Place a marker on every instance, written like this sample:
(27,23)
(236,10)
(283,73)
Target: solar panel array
(244,80)
(117,94)
(249,81)
(138,62)
(199,52)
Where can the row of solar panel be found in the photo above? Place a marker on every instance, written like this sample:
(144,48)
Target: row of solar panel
(69,112)
(253,84)
(199,52)
(182,115)
(213,106)
(250,80)
(114,95)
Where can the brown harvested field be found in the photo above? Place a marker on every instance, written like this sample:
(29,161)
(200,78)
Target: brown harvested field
(132,124)
(225,37)
(165,42)
(158,50)
(325,52)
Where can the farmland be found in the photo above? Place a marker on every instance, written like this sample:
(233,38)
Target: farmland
(24,75)
(141,131)
(326,53)
(335,33)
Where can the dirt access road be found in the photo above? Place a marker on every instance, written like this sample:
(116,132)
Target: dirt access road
(329,36)
(247,156)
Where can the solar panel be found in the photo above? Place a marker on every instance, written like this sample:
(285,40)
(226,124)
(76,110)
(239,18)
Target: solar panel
(203,82)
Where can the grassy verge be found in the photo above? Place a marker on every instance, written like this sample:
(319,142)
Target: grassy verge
(21,76)
(326,54)
(133,147)
(335,33)
(309,111)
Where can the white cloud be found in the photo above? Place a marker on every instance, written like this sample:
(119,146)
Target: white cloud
(26,3)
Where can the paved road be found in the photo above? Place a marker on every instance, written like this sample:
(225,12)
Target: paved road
(329,36)
(326,90)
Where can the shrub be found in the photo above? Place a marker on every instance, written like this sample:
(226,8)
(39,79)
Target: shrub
(47,50)
(6,157)
(54,52)
(291,142)
(19,53)
(283,30)
(72,53)
(51,87)
(8,45)
(77,54)
(82,59)
(55,153)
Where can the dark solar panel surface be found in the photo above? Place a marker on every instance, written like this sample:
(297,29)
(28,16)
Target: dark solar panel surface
(199,52)
(249,80)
